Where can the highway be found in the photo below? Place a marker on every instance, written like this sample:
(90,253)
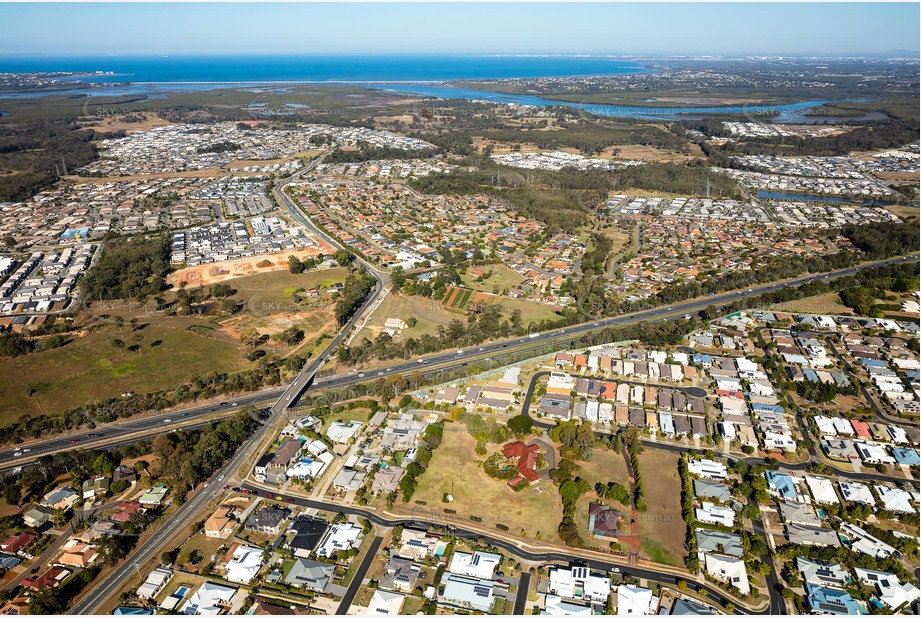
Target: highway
(91,602)
(442,361)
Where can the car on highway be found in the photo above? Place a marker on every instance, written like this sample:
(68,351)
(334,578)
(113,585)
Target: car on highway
(615,570)
(278,497)
(460,351)
(419,361)
(18,448)
(17,454)
(361,375)
(26,450)
(184,414)
(75,441)
(380,373)
(167,420)
(290,500)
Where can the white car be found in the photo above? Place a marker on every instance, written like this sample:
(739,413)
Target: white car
(167,420)
(17,454)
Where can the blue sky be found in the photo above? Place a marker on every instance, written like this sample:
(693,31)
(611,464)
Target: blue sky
(682,28)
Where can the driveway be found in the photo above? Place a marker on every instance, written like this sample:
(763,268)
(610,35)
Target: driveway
(549,456)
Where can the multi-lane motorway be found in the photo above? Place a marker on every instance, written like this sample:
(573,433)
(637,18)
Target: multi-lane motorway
(288,396)
(444,361)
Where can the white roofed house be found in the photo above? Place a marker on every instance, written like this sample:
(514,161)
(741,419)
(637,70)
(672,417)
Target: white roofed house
(387,603)
(889,589)
(579,583)
(341,433)
(245,564)
(479,564)
(822,489)
(710,513)
(340,537)
(896,500)
(707,468)
(635,601)
(729,570)
(208,599)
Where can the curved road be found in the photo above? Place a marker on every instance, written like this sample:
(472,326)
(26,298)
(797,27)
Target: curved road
(599,563)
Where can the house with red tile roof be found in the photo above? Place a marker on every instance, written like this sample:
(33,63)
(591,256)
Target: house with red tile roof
(51,577)
(18,541)
(525,458)
(125,511)
(608,389)
(862,429)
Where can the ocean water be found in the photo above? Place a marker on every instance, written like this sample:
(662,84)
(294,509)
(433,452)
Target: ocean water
(278,69)
(156,77)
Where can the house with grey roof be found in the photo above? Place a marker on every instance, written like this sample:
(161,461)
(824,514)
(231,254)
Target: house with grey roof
(717,541)
(812,535)
(799,513)
(310,575)
(711,490)
(826,574)
(400,574)
(268,520)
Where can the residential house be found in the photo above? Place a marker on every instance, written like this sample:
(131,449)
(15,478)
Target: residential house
(480,564)
(603,521)
(310,575)
(468,593)
(340,537)
(400,574)
(221,524)
(244,564)
(729,570)
(268,520)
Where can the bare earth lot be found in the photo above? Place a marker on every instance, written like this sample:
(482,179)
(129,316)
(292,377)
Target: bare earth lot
(207,274)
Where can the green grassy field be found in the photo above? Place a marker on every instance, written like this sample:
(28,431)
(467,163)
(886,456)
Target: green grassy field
(502,278)
(823,303)
(606,466)
(172,349)
(662,530)
(454,464)
(90,368)
(355,414)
